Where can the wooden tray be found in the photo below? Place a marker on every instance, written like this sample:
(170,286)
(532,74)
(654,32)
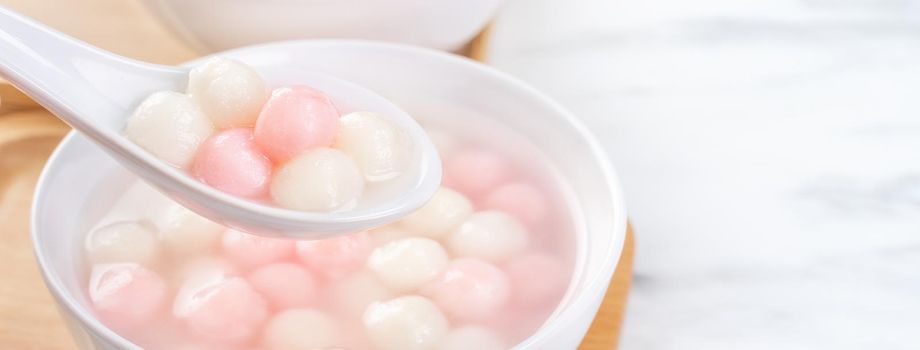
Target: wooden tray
(28,316)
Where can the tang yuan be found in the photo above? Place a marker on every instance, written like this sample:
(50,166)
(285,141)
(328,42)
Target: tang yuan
(230,92)
(481,266)
(470,290)
(446,210)
(523,201)
(129,241)
(475,172)
(184,233)
(409,322)
(249,251)
(285,285)
(296,329)
(197,272)
(490,235)
(380,148)
(322,179)
(289,147)
(296,119)
(229,312)
(409,263)
(231,162)
(335,257)
(171,126)
(126,295)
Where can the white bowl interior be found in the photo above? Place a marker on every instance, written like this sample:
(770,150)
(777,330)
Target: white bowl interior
(424,82)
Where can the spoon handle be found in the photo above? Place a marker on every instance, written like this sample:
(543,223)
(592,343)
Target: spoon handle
(73,79)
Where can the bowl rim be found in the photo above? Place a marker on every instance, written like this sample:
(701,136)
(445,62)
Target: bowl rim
(581,302)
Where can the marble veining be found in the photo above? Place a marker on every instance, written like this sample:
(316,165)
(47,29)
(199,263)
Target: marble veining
(770,153)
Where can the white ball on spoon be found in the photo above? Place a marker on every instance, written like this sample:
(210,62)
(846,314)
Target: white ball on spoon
(381,149)
(171,126)
(322,179)
(229,92)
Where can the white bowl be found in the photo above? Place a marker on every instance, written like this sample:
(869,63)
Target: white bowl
(221,24)
(436,85)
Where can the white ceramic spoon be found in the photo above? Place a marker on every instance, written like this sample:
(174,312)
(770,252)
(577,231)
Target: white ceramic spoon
(95,91)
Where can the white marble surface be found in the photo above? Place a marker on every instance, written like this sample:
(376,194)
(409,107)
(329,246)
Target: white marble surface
(770,152)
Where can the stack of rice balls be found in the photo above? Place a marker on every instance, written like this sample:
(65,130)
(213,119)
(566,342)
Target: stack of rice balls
(446,277)
(289,146)
(471,269)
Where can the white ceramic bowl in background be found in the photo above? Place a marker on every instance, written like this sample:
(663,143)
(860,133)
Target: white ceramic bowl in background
(434,85)
(224,24)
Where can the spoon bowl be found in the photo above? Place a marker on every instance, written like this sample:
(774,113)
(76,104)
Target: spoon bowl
(95,91)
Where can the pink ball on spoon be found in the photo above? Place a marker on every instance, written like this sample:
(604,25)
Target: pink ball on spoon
(231,162)
(296,119)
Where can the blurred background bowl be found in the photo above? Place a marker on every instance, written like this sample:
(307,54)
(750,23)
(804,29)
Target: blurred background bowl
(214,25)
